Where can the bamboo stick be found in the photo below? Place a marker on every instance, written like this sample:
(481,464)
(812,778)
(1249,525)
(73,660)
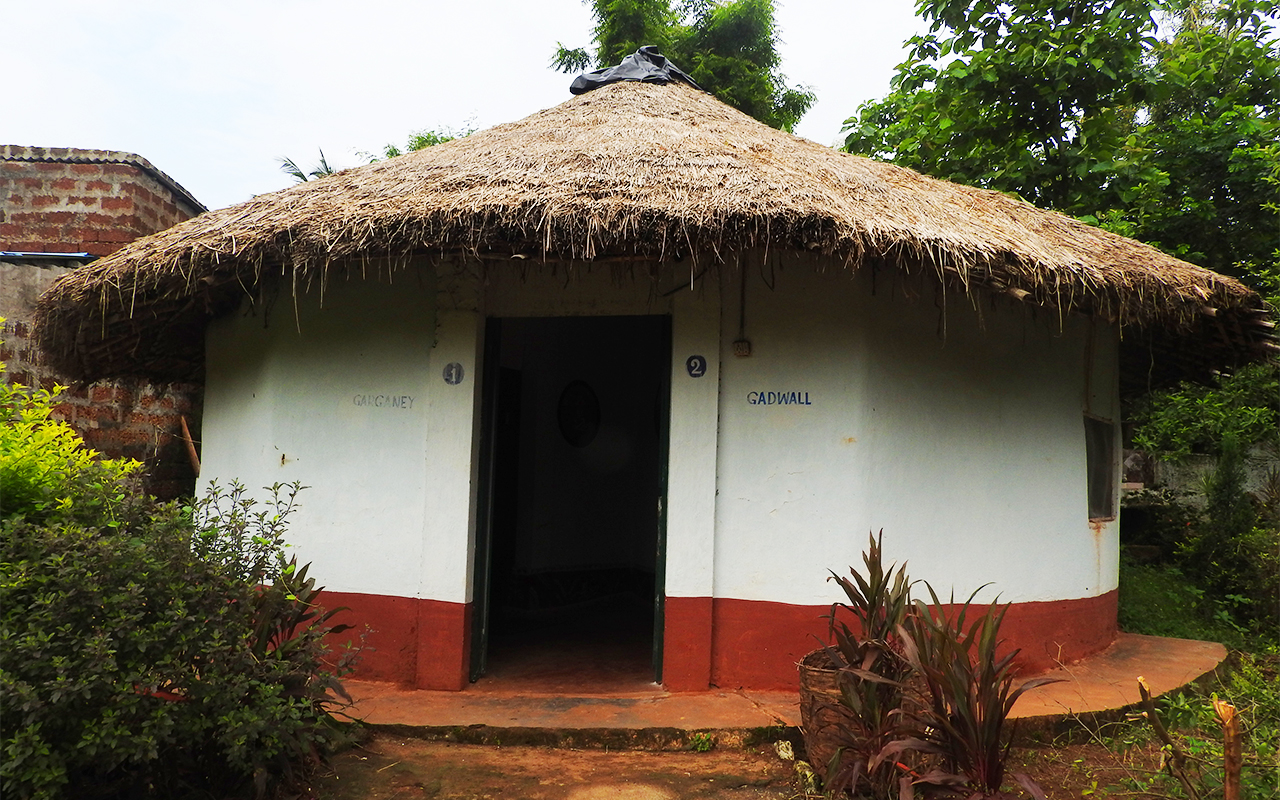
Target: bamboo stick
(191,446)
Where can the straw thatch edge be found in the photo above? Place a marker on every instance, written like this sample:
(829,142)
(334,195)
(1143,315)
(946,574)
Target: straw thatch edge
(568,185)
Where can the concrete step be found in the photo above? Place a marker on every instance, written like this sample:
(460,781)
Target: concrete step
(648,717)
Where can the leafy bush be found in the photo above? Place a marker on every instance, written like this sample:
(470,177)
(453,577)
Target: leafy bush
(1195,418)
(45,467)
(1230,551)
(129,664)
(140,654)
(1218,572)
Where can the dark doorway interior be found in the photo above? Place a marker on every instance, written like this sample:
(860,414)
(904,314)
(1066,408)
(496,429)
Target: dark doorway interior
(574,535)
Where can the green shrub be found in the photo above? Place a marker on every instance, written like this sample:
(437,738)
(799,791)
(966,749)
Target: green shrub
(140,652)
(1218,575)
(1194,418)
(1230,551)
(131,665)
(1159,600)
(44,465)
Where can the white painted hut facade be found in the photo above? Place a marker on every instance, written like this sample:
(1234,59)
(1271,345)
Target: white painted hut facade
(688,438)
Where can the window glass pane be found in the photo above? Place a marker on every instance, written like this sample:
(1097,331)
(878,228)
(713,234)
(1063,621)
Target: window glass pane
(1100,455)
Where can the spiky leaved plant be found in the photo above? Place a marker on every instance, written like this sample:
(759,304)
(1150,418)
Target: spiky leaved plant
(872,671)
(962,713)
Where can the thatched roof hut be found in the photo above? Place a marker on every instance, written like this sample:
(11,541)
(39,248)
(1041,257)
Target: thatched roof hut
(644,173)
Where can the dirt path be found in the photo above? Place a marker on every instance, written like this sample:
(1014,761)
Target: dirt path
(395,768)
(388,767)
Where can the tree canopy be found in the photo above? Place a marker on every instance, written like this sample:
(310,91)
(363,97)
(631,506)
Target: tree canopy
(322,168)
(417,140)
(1154,118)
(729,48)
(420,140)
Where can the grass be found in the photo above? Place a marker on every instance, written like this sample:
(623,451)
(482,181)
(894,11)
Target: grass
(1159,600)
(1125,759)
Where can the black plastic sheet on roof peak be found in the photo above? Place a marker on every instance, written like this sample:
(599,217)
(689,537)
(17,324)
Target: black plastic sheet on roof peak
(646,65)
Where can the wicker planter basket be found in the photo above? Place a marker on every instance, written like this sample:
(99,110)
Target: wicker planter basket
(823,718)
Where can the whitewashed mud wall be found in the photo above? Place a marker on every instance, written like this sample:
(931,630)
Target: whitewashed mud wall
(967,447)
(963,440)
(336,398)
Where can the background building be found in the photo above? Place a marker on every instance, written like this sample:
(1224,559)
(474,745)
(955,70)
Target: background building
(61,207)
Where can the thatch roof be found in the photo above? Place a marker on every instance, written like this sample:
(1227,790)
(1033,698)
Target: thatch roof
(640,171)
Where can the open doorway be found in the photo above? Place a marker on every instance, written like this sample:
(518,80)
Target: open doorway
(569,563)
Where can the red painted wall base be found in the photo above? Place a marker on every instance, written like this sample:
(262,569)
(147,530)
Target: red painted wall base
(756,644)
(725,643)
(416,643)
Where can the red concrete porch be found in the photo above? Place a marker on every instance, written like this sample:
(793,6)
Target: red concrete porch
(549,694)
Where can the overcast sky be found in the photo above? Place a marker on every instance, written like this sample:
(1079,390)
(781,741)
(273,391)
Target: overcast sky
(214,93)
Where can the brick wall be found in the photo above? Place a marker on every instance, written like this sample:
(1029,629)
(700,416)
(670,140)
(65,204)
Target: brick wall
(89,206)
(120,419)
(63,200)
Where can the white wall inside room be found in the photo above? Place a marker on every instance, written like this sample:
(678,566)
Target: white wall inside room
(966,448)
(335,398)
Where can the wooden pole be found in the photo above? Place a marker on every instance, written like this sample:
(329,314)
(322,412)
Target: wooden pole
(1232,749)
(191,446)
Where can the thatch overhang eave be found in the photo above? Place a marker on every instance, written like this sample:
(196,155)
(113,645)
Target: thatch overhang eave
(634,170)
(154,325)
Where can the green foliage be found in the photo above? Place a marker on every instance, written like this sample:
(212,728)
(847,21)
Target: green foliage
(1230,552)
(140,654)
(622,27)
(240,538)
(1218,577)
(1214,131)
(417,140)
(321,169)
(420,140)
(729,48)
(1253,688)
(1193,418)
(1026,98)
(130,664)
(45,467)
(1160,600)
(1082,108)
